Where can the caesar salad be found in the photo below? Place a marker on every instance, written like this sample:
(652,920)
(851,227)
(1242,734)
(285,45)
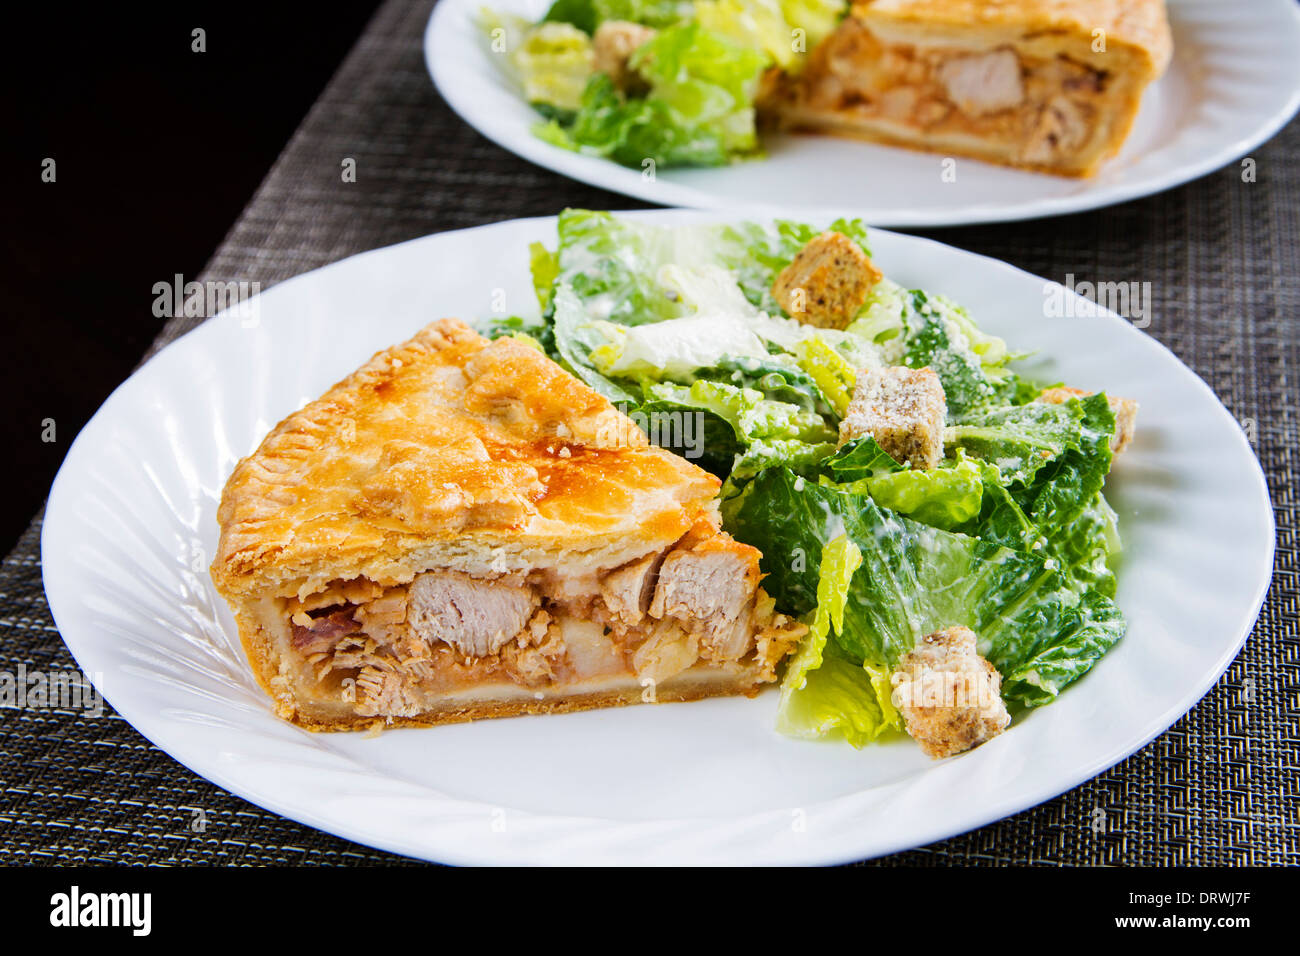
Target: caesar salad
(937,520)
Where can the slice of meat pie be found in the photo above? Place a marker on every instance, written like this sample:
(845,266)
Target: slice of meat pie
(461,529)
(1049,85)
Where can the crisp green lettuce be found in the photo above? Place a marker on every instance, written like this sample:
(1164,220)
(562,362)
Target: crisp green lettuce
(945,497)
(613,264)
(705,80)
(882,319)
(711,443)
(544,267)
(859,460)
(1020,439)
(575,338)
(750,413)
(1043,468)
(698,111)
(933,340)
(586,15)
(823,691)
(701,68)
(831,371)
(1086,549)
(1063,488)
(674,348)
(755,24)
(778,377)
(949,496)
(1037,664)
(786,30)
(916,579)
(918,329)
(555,61)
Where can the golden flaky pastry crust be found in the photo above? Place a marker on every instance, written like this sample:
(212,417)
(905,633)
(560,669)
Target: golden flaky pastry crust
(449,451)
(1137,25)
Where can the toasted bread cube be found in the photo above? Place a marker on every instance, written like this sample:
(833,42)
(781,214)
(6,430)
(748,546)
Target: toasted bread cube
(949,696)
(903,409)
(827,282)
(613,44)
(1125,409)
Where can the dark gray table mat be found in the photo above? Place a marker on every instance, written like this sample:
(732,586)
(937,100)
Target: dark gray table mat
(1222,257)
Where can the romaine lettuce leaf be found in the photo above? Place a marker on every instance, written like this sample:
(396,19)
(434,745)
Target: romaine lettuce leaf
(613,264)
(882,320)
(944,497)
(777,376)
(586,15)
(750,413)
(674,348)
(633,131)
(1001,519)
(947,497)
(554,61)
(575,338)
(544,267)
(1063,488)
(823,691)
(699,110)
(859,460)
(755,24)
(700,436)
(1019,439)
(617,267)
(830,370)
(1086,548)
(918,329)
(705,79)
(934,340)
(1037,665)
(916,579)
(837,696)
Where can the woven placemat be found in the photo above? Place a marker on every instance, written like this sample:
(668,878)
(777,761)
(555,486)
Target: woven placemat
(1222,258)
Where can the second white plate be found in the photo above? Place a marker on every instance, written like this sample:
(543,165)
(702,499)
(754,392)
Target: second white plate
(1234,81)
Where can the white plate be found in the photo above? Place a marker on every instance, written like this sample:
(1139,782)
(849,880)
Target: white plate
(131,527)
(1234,81)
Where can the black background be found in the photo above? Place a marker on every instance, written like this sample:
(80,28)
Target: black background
(1024,903)
(157,149)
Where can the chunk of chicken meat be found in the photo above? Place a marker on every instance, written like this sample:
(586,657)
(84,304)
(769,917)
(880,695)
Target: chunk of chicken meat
(628,590)
(709,586)
(983,83)
(1061,126)
(324,632)
(476,617)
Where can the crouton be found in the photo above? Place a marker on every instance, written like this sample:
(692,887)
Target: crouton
(827,282)
(1125,409)
(614,43)
(950,697)
(903,409)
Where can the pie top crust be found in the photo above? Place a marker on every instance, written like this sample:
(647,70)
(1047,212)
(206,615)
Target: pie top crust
(1138,26)
(450,451)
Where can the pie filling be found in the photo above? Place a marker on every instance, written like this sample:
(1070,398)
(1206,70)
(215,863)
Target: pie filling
(1038,110)
(359,647)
